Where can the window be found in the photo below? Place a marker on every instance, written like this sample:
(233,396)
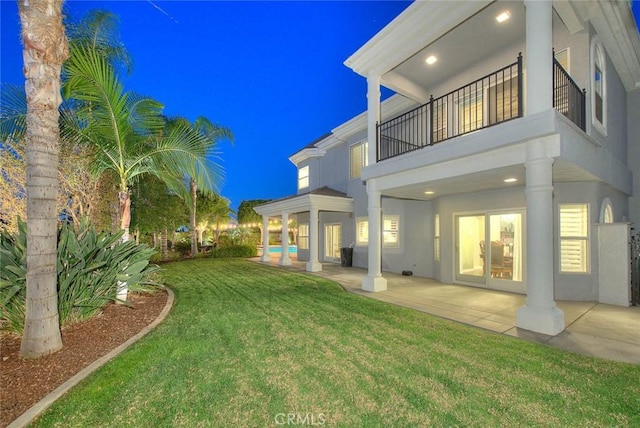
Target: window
(563,59)
(469,112)
(390,231)
(574,238)
(503,101)
(358,158)
(606,211)
(439,121)
(362,231)
(303,236)
(303,177)
(436,238)
(598,87)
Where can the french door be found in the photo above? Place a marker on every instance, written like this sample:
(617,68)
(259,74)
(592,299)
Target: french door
(332,242)
(490,250)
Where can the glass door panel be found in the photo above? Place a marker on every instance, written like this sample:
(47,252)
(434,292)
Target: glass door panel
(506,249)
(332,242)
(470,248)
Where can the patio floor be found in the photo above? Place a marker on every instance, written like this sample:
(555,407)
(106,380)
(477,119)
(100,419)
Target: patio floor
(596,329)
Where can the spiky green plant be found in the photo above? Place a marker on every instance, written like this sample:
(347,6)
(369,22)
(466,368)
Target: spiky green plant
(89,266)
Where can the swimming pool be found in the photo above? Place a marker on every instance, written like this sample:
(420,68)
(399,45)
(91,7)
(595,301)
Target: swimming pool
(278,249)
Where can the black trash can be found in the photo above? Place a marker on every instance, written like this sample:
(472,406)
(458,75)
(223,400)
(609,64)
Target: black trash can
(346,257)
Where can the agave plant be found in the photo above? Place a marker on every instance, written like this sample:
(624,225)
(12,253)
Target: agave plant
(89,267)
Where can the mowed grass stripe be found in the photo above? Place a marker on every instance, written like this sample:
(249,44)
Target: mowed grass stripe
(245,342)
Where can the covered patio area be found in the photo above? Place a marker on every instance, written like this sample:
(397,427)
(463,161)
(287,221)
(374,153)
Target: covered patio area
(595,329)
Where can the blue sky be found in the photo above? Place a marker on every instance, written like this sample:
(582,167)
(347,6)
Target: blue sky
(271,71)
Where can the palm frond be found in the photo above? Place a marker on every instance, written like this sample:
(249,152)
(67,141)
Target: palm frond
(13,112)
(99,31)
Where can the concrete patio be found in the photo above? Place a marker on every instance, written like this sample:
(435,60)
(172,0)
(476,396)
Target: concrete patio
(595,329)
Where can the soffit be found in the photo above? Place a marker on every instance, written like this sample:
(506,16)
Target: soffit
(472,41)
(485,181)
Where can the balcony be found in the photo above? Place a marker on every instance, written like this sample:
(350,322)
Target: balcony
(490,100)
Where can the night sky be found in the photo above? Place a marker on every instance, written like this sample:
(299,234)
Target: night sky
(272,72)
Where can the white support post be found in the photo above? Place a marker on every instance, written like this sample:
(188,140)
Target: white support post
(313,265)
(374,280)
(373,116)
(265,239)
(284,258)
(540,313)
(538,58)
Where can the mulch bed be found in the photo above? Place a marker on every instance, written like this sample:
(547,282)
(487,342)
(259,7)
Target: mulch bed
(25,382)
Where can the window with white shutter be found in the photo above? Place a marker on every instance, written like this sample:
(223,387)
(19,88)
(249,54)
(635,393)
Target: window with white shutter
(358,159)
(362,231)
(303,236)
(574,238)
(390,231)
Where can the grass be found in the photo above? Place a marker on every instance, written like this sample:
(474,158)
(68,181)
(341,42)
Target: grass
(247,344)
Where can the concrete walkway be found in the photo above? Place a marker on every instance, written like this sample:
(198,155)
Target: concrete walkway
(595,329)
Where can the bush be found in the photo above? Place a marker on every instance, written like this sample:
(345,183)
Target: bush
(242,251)
(182,247)
(89,266)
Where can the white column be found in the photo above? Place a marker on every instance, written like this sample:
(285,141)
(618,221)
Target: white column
(538,57)
(265,239)
(540,313)
(373,116)
(313,265)
(284,258)
(374,280)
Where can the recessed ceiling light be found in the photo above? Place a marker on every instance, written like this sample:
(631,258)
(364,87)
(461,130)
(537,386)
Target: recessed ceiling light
(503,16)
(510,180)
(429,192)
(431,60)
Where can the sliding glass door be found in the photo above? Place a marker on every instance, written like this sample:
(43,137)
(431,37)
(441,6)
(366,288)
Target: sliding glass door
(332,242)
(490,250)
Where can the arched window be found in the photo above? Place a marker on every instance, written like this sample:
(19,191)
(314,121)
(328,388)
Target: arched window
(606,211)
(598,86)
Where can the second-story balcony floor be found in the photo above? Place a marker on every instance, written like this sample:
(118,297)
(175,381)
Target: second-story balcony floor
(481,161)
(491,100)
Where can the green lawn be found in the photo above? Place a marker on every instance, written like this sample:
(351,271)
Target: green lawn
(247,344)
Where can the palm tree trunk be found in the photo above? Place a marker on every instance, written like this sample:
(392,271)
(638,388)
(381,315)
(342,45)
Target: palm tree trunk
(192,222)
(124,200)
(45,49)
(163,244)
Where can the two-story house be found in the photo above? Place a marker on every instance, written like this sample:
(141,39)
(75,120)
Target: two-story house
(509,157)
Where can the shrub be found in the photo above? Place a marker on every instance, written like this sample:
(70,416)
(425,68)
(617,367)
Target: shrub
(89,267)
(243,251)
(182,247)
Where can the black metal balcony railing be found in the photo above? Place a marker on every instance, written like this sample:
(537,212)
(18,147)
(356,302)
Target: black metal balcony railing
(568,99)
(491,100)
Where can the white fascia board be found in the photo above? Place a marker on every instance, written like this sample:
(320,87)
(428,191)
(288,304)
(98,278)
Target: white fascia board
(304,203)
(330,142)
(614,23)
(420,24)
(305,154)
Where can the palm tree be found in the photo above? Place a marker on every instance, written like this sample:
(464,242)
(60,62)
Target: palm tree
(211,135)
(214,210)
(129,133)
(45,49)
